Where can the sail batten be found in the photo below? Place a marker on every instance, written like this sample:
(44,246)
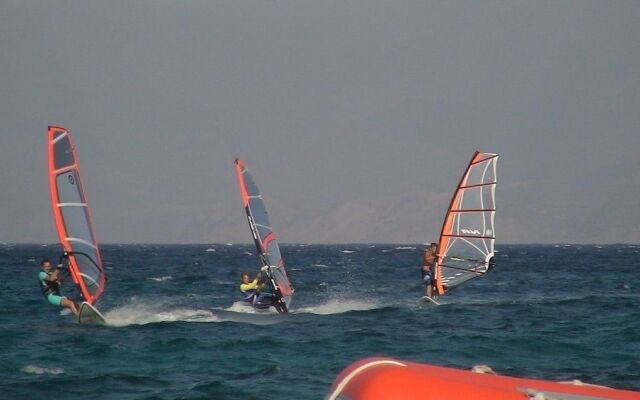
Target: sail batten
(72,239)
(72,216)
(59,137)
(477,185)
(467,238)
(262,232)
(72,204)
(475,210)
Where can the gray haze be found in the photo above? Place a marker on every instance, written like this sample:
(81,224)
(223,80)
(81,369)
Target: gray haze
(356,118)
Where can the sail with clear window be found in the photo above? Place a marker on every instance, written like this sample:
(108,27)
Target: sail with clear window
(264,236)
(72,216)
(466,246)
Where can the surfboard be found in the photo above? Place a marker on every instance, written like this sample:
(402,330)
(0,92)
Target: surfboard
(429,300)
(90,315)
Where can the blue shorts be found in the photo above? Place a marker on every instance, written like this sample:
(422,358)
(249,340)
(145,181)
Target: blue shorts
(428,278)
(54,299)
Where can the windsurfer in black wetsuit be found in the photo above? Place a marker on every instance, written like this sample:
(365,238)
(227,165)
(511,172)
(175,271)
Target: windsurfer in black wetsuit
(430,258)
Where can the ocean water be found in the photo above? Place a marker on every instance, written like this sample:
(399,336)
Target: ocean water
(178,330)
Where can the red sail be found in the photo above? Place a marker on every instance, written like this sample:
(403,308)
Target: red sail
(263,235)
(466,245)
(72,216)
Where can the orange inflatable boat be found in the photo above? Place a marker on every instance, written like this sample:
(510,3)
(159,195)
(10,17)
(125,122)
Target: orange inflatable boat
(389,379)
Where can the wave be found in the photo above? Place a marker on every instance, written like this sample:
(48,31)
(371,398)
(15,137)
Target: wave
(34,369)
(337,306)
(540,299)
(246,308)
(140,313)
(242,312)
(161,278)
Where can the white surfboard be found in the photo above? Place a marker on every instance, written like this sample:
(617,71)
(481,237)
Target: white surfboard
(427,299)
(90,315)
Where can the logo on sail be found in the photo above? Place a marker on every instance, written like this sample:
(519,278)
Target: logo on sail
(470,231)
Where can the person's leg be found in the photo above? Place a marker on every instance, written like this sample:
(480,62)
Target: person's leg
(62,302)
(427,284)
(70,305)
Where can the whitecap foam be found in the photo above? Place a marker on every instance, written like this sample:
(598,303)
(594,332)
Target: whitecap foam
(246,308)
(210,250)
(405,248)
(347,251)
(161,278)
(336,306)
(34,369)
(138,313)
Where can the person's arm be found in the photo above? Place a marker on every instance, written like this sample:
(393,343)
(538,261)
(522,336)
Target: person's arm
(54,276)
(249,286)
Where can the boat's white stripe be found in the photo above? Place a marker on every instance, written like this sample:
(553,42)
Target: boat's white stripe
(72,239)
(356,371)
(60,137)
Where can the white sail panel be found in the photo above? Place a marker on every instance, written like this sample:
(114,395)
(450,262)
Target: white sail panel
(72,216)
(467,239)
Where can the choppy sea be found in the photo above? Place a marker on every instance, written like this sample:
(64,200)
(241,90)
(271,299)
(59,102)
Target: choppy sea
(178,331)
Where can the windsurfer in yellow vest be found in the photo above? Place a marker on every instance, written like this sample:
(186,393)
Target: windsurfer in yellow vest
(251,288)
(50,285)
(430,258)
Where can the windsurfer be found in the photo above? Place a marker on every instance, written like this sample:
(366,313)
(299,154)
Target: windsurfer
(251,288)
(428,269)
(50,285)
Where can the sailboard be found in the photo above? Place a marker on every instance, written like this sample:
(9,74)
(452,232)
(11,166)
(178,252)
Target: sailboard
(429,300)
(73,218)
(90,315)
(467,238)
(264,238)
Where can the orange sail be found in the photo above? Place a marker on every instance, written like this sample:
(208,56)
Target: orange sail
(72,216)
(467,239)
(264,236)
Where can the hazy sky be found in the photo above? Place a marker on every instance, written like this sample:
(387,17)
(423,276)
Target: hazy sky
(356,118)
